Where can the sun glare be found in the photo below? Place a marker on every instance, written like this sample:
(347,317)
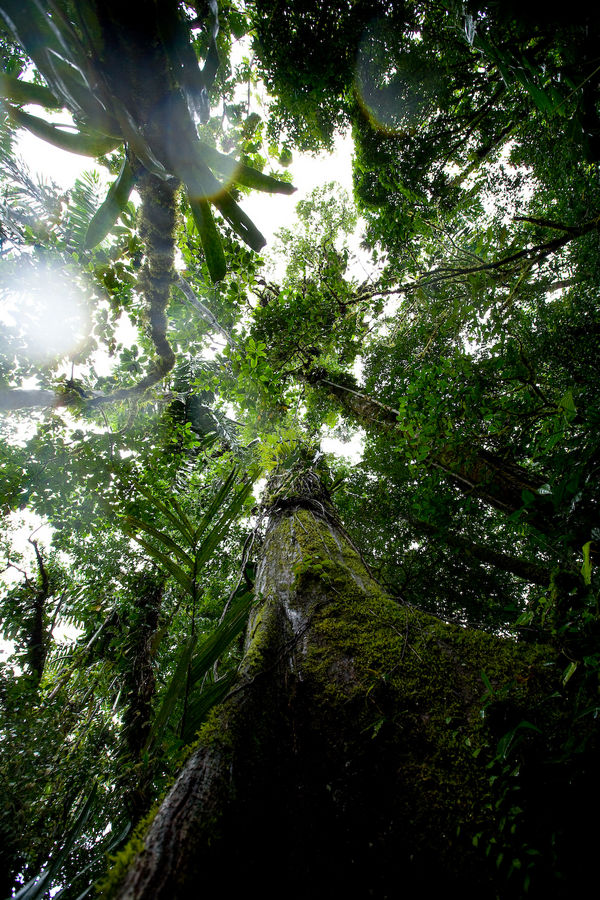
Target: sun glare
(44,313)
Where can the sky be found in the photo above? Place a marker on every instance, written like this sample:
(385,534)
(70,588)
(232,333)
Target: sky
(269,211)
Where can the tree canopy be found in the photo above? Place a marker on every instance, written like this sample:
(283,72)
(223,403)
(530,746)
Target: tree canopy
(159,364)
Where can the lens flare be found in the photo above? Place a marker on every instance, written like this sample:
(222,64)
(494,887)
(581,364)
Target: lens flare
(44,311)
(397,88)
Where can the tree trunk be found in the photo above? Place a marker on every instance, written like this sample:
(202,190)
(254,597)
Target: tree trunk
(140,688)
(38,638)
(357,755)
(496,481)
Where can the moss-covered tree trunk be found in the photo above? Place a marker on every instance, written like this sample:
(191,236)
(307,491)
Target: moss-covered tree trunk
(358,754)
(140,687)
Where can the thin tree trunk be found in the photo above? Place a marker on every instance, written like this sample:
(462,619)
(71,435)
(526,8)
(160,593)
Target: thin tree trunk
(493,479)
(140,688)
(343,762)
(38,637)
(522,568)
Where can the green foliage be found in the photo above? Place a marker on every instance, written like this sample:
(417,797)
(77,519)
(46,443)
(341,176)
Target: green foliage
(89,673)
(461,336)
(35,889)
(307,59)
(81,56)
(194,666)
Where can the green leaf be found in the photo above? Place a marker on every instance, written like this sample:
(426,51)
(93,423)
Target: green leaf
(203,702)
(135,139)
(112,207)
(219,640)
(202,185)
(84,143)
(200,663)
(487,682)
(568,406)
(217,534)
(586,569)
(185,521)
(169,543)
(26,92)
(176,571)
(38,886)
(181,526)
(74,87)
(239,221)
(174,690)
(210,239)
(238,172)
(569,672)
(216,504)
(104,850)
(32,28)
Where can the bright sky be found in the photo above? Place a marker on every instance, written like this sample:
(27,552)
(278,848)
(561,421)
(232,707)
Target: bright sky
(270,212)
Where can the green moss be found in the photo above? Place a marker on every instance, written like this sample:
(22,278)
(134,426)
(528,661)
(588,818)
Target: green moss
(119,863)
(262,639)
(387,682)
(349,695)
(212,733)
(413,686)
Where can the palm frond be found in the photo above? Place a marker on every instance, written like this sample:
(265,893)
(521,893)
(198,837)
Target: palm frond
(83,198)
(132,525)
(161,507)
(218,532)
(215,506)
(201,704)
(192,666)
(38,886)
(178,573)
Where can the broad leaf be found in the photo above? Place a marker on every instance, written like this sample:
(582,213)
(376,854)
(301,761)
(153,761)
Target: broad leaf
(86,144)
(116,201)
(25,92)
(209,238)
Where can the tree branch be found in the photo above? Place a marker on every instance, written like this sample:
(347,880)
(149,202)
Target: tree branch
(18,399)
(188,292)
(522,568)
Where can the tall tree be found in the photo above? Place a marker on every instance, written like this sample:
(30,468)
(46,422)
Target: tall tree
(365,717)
(356,733)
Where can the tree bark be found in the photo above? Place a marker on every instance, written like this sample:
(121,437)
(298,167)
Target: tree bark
(496,481)
(140,688)
(354,757)
(522,568)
